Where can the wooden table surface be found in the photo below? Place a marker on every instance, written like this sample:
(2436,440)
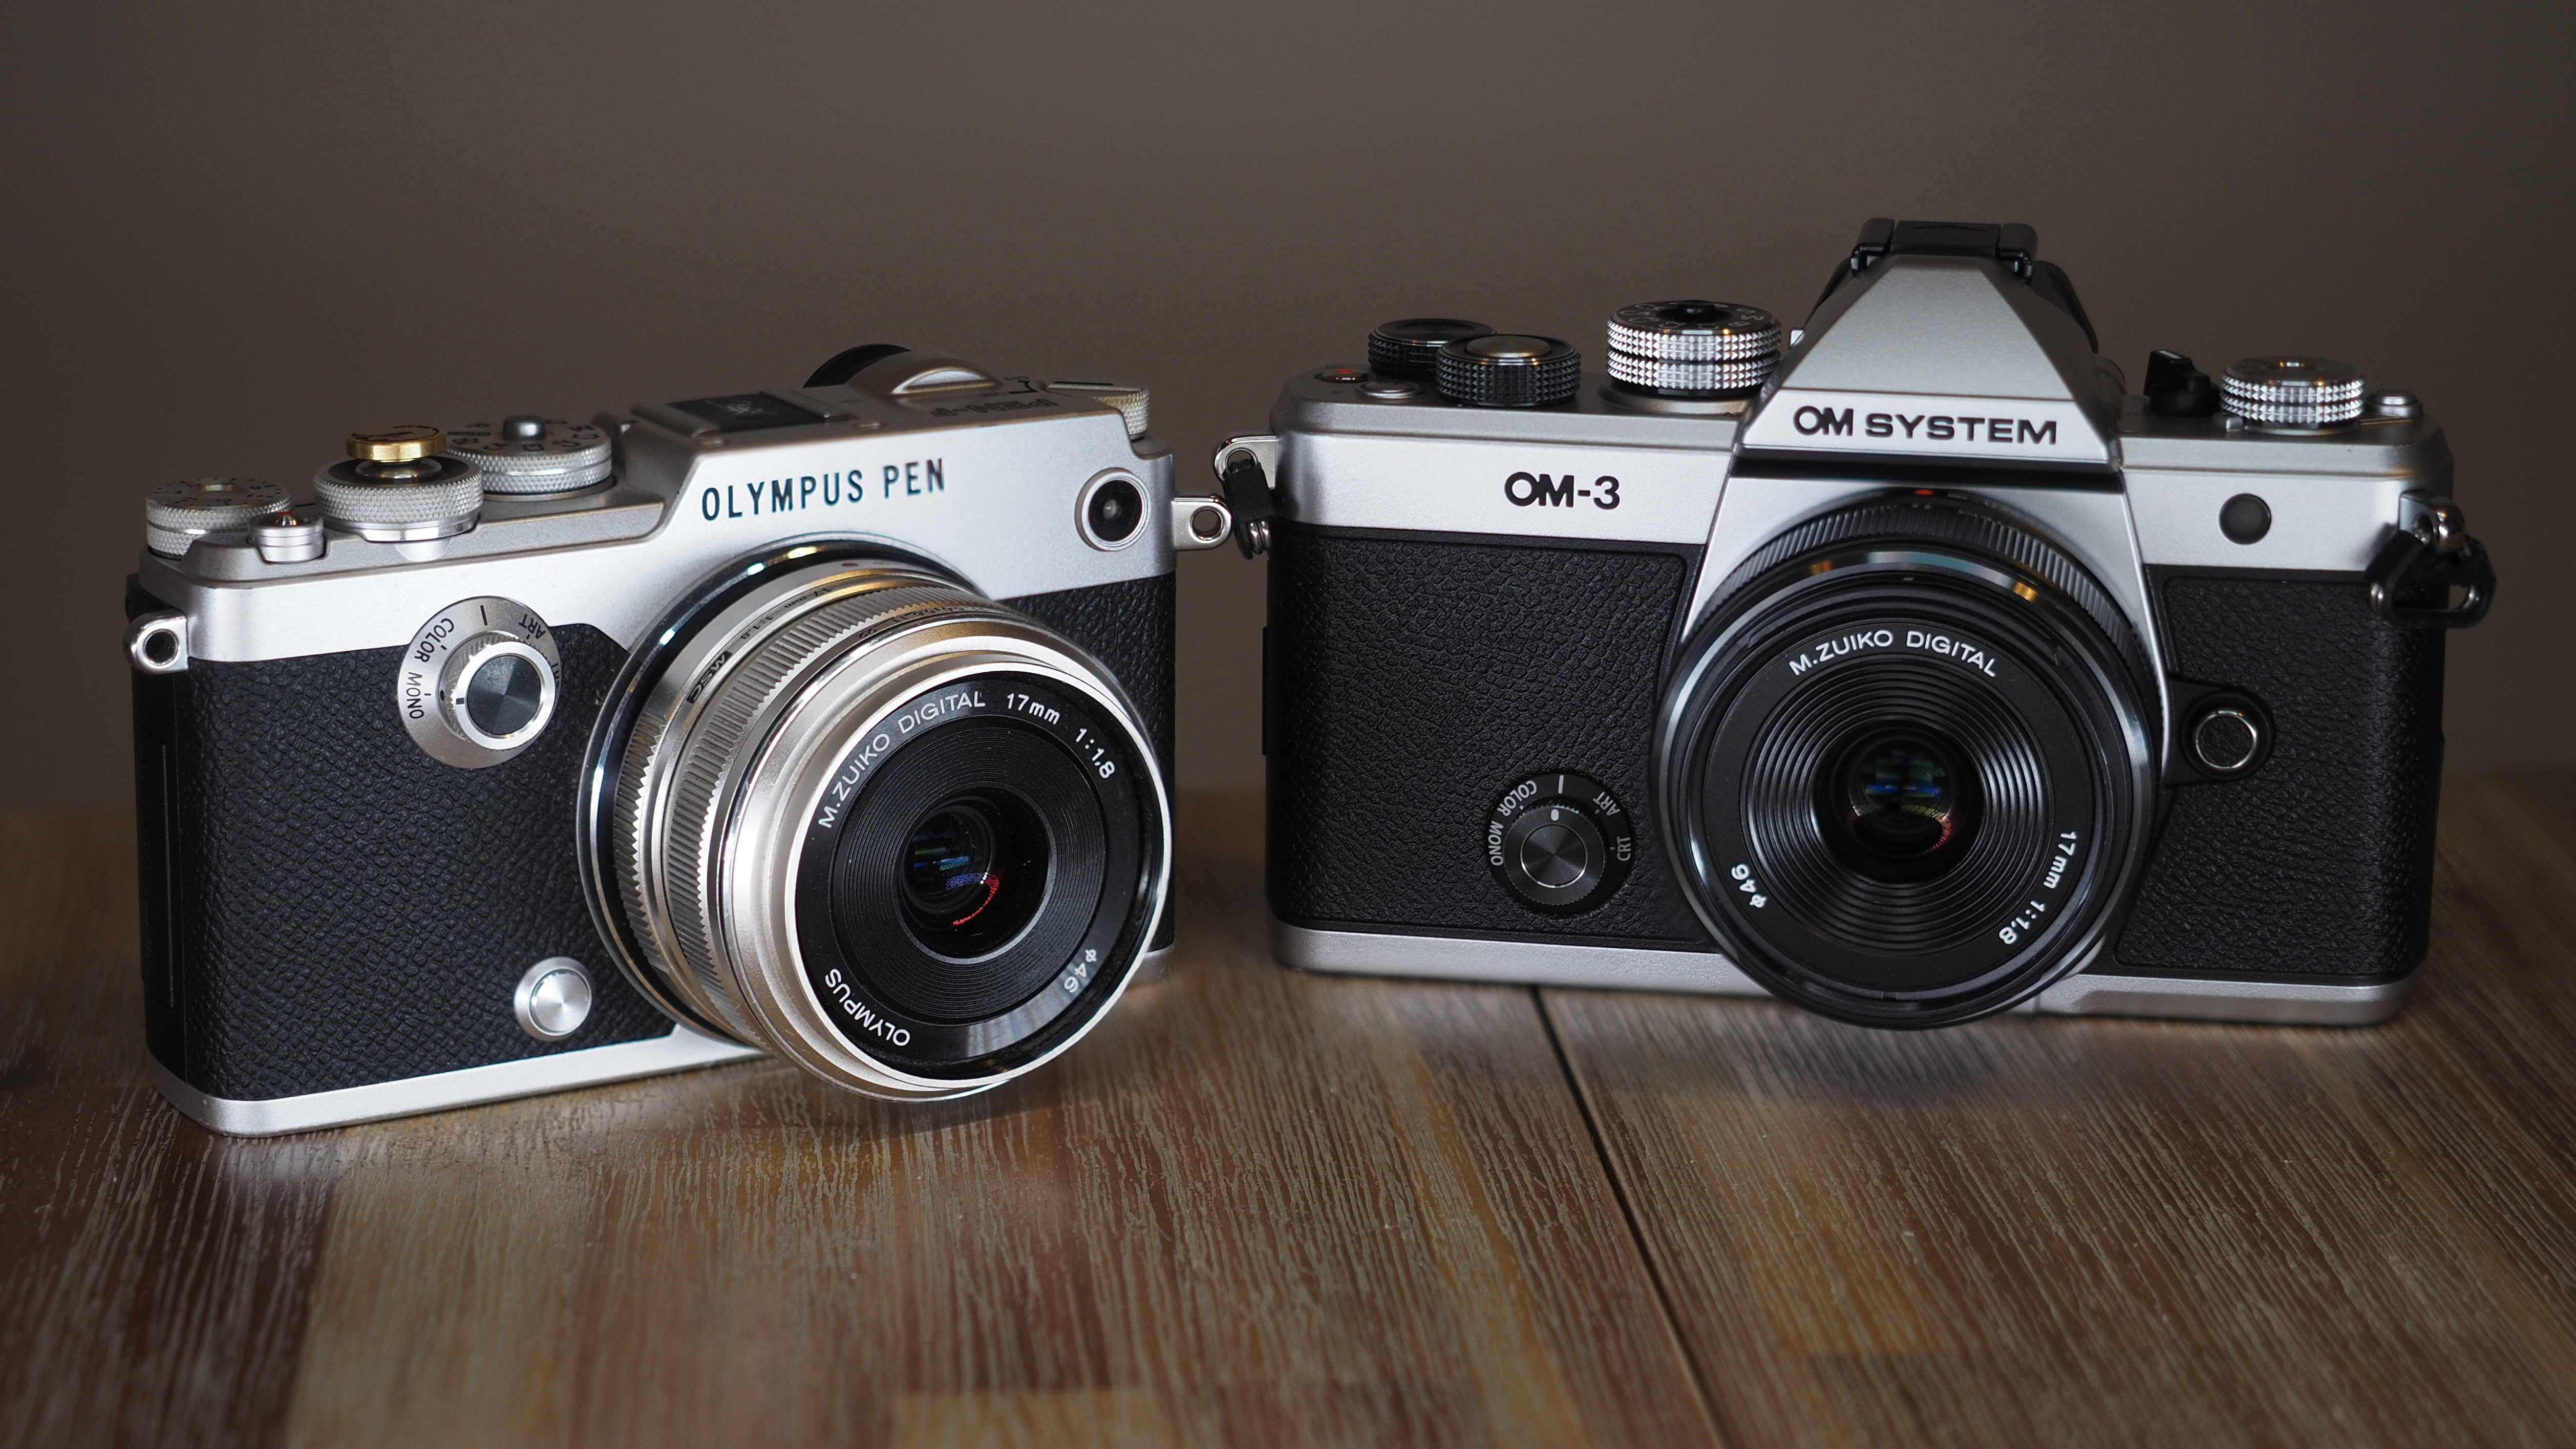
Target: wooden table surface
(1263,1207)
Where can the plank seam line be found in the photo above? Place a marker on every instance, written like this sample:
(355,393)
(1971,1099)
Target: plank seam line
(1628,1214)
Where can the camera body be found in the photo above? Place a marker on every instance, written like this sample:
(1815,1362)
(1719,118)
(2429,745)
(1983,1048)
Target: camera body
(1911,670)
(374,757)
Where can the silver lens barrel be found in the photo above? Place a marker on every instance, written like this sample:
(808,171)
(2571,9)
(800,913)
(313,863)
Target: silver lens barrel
(735,842)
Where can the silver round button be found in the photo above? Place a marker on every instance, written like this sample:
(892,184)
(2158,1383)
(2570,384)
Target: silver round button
(553,999)
(2225,741)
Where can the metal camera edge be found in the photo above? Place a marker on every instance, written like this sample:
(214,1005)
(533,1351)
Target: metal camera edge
(387,741)
(1472,602)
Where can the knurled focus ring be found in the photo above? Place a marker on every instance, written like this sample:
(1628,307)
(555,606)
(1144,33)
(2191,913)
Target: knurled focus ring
(692,768)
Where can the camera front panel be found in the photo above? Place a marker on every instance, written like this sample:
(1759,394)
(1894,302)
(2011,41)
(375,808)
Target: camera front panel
(326,907)
(1415,682)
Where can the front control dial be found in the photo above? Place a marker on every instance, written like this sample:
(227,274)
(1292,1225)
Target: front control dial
(1560,842)
(479,682)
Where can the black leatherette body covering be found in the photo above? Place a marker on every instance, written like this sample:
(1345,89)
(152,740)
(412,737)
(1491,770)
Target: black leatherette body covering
(326,906)
(1410,682)
(1127,627)
(2321,861)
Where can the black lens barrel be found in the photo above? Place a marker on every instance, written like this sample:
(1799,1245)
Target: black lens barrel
(1906,764)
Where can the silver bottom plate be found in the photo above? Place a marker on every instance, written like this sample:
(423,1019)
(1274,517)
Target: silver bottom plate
(1621,968)
(678,1052)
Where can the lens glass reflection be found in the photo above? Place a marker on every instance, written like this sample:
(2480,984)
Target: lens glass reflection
(1898,805)
(974,873)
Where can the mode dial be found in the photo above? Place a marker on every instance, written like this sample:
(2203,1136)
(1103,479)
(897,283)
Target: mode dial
(401,485)
(527,454)
(178,514)
(1693,348)
(2293,392)
(1509,370)
(1560,842)
(1411,346)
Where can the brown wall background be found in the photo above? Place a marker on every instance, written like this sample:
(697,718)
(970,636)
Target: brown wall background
(232,234)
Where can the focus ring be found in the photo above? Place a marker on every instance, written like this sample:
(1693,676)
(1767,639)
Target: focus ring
(700,762)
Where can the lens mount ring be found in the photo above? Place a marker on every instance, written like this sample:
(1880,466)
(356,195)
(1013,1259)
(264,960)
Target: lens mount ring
(1937,627)
(705,769)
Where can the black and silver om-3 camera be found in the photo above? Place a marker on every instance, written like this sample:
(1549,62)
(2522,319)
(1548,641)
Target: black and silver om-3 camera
(1906,666)
(828,722)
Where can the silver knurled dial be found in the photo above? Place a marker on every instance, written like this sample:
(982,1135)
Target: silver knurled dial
(2293,392)
(526,454)
(177,514)
(1693,346)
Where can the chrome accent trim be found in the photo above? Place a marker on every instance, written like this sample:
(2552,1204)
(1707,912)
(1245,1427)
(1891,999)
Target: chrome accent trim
(159,624)
(681,1051)
(1185,510)
(1623,968)
(1154,967)
(2283,1003)
(1091,489)
(1531,963)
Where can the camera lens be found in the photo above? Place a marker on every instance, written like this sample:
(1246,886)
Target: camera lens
(1899,805)
(1905,762)
(875,824)
(953,878)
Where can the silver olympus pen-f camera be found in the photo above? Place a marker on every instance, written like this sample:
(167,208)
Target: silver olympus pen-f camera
(828,722)
(1907,666)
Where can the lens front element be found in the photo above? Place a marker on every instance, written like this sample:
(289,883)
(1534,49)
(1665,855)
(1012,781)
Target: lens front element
(958,861)
(1899,805)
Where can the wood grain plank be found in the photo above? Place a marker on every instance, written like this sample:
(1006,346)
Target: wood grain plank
(153,1279)
(1254,1207)
(2047,1230)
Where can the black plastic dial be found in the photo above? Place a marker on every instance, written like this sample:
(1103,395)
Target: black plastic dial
(1560,842)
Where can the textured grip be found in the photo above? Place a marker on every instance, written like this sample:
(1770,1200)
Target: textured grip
(325,906)
(2321,862)
(1411,683)
(1127,627)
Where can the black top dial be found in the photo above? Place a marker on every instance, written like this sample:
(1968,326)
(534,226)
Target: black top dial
(1560,842)
(1508,370)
